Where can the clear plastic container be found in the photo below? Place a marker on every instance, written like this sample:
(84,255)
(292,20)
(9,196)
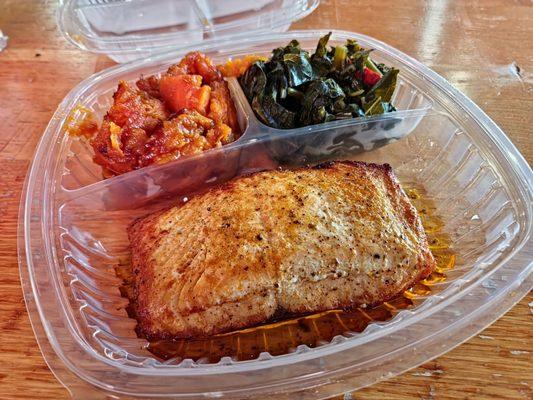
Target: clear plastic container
(126,30)
(72,235)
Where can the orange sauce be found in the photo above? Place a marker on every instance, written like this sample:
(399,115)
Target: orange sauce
(81,122)
(238,66)
(282,337)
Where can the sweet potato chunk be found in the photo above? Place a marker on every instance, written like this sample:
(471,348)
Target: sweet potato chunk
(126,128)
(135,108)
(238,66)
(221,107)
(149,85)
(185,92)
(198,63)
(182,135)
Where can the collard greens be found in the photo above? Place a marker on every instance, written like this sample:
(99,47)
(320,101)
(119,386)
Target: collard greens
(295,89)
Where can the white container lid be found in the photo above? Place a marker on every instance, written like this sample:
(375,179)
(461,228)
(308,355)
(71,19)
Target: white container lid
(130,29)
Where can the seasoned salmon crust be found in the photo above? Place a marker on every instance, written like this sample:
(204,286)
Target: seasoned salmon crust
(281,242)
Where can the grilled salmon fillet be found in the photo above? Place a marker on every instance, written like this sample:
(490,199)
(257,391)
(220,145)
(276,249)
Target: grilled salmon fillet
(276,243)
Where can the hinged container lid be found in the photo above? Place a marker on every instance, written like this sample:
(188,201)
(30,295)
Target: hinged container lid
(131,29)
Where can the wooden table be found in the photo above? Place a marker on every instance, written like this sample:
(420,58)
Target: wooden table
(485,48)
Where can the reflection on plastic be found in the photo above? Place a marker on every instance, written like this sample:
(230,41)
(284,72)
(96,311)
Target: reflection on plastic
(3,40)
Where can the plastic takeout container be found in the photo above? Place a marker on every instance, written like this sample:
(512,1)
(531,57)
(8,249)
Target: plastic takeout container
(130,29)
(72,234)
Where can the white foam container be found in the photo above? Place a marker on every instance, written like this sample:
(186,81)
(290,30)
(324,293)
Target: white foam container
(72,234)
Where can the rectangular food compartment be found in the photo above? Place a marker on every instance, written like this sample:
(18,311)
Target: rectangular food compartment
(337,138)
(359,134)
(438,143)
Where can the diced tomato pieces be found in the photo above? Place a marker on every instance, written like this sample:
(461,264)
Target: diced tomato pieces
(182,92)
(370,78)
(198,63)
(203,99)
(185,111)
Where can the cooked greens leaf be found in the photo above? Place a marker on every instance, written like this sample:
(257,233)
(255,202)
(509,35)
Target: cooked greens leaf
(339,57)
(319,94)
(321,49)
(298,69)
(292,48)
(352,46)
(254,80)
(374,107)
(277,83)
(320,61)
(273,114)
(359,60)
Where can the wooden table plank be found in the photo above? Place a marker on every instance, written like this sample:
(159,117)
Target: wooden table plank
(485,48)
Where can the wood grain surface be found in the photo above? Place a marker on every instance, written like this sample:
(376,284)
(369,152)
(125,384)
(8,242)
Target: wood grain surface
(484,48)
